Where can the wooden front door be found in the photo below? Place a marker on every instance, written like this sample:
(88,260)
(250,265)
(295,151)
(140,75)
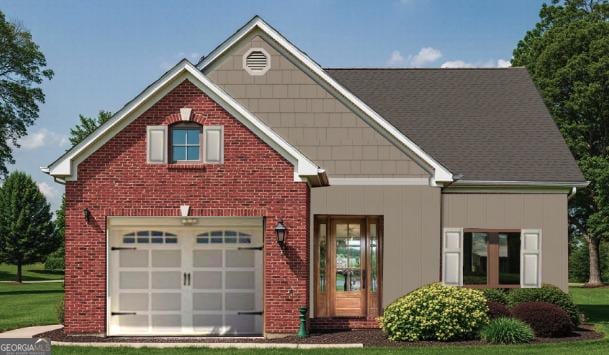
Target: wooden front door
(347,270)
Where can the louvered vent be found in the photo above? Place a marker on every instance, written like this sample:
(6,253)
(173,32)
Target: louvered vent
(257,62)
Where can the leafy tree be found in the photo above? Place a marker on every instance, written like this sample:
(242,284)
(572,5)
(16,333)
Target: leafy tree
(567,54)
(26,230)
(22,69)
(87,125)
(55,260)
(579,262)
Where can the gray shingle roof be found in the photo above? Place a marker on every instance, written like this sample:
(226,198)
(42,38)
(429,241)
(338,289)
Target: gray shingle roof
(487,124)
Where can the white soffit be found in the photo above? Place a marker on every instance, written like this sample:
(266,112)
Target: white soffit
(65,167)
(441,174)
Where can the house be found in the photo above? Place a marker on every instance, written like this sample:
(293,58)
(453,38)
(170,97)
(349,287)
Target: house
(230,193)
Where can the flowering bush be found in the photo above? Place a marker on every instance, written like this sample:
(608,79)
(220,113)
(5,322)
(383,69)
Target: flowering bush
(436,312)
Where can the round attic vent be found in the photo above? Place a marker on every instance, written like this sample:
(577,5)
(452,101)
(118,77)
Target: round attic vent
(256,61)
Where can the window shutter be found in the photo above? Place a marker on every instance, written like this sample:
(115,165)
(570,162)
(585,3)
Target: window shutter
(214,144)
(156,140)
(452,256)
(530,258)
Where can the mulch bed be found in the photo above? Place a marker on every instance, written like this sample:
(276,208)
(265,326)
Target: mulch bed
(368,337)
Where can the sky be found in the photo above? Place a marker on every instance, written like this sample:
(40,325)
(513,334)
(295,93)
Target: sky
(104,53)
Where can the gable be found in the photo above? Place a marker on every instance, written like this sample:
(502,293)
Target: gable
(331,92)
(311,119)
(65,168)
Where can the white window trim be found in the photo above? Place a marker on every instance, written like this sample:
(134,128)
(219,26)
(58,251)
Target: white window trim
(149,129)
(204,143)
(252,72)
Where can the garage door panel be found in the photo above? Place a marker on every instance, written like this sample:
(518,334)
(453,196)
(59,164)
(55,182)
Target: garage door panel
(240,323)
(133,323)
(240,258)
(240,301)
(240,280)
(166,279)
(210,280)
(167,322)
(207,301)
(166,301)
(133,301)
(208,323)
(133,258)
(133,280)
(166,258)
(207,258)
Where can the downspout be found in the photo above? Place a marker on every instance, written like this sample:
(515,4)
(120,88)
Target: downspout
(572,193)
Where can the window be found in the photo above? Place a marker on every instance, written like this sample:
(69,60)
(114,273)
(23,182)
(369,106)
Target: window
(185,142)
(224,237)
(150,237)
(491,258)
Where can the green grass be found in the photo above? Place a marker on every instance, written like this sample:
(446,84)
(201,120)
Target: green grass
(32,272)
(23,305)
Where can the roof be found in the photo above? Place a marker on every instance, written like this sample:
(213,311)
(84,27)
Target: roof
(489,125)
(65,167)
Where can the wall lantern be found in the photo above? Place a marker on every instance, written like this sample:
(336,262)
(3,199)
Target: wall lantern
(281,232)
(87,215)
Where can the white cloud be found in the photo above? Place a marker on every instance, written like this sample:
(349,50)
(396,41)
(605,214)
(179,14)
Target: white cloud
(500,63)
(396,59)
(425,56)
(41,138)
(50,192)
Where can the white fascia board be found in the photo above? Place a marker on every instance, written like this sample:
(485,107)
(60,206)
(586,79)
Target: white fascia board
(66,165)
(441,174)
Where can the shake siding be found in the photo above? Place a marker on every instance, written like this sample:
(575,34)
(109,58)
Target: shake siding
(547,212)
(309,118)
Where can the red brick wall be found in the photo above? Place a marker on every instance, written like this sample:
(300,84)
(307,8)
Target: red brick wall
(253,181)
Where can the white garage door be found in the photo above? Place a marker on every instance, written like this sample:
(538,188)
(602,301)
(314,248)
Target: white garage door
(166,280)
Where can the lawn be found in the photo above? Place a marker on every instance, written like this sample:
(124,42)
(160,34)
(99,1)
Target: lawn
(33,272)
(30,304)
(23,305)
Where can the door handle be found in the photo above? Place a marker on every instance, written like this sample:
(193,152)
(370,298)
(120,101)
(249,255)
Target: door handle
(185,279)
(364,279)
(188,279)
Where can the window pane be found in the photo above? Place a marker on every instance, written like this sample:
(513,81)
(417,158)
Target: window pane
(192,153)
(509,258)
(322,257)
(192,136)
(178,136)
(475,258)
(178,153)
(373,258)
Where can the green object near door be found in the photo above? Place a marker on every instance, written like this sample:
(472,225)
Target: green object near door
(302,331)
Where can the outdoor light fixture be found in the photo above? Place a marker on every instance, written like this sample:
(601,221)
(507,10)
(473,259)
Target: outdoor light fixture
(281,232)
(87,215)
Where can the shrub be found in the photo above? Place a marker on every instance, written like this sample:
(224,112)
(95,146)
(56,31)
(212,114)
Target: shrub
(507,331)
(496,295)
(54,263)
(498,310)
(547,293)
(59,310)
(547,320)
(436,312)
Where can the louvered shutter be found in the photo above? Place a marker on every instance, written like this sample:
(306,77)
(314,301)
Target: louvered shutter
(452,256)
(156,141)
(530,258)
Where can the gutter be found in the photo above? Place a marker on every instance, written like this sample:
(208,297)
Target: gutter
(483,183)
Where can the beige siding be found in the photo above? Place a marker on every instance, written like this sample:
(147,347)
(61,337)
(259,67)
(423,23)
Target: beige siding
(308,117)
(411,243)
(547,212)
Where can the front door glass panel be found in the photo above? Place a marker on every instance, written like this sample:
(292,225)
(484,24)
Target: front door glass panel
(348,257)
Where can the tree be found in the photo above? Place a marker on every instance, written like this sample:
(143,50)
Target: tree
(87,125)
(22,69)
(27,232)
(567,54)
